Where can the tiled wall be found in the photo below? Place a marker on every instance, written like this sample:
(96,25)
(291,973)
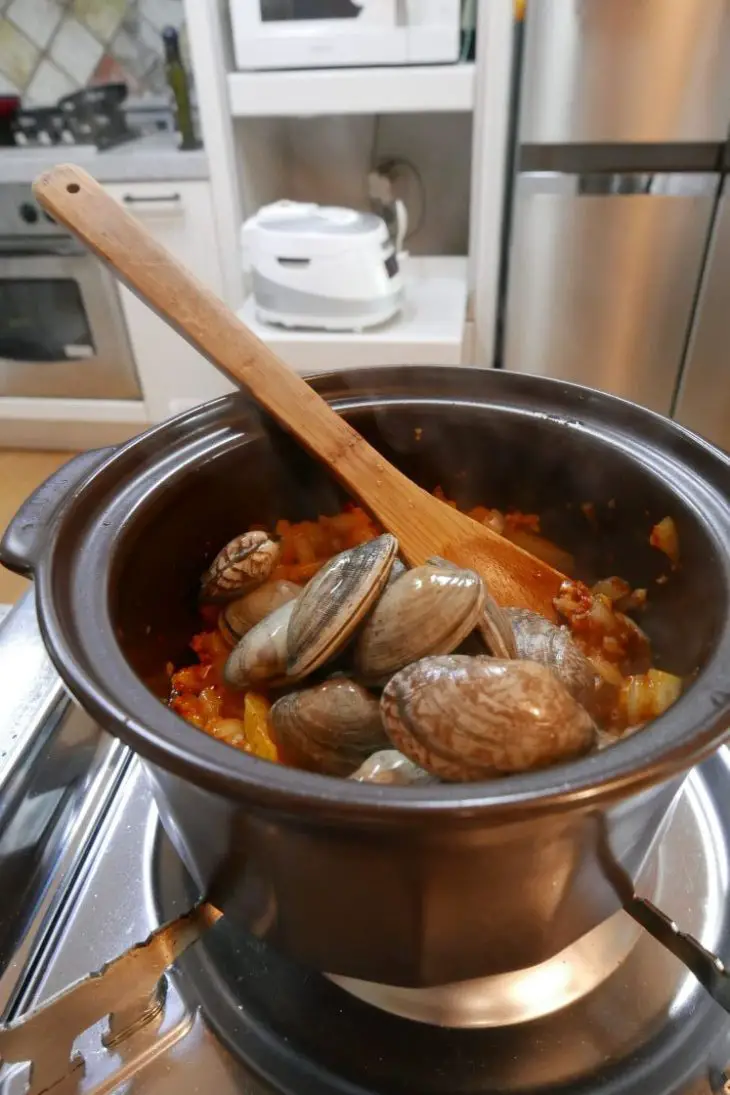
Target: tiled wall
(49,48)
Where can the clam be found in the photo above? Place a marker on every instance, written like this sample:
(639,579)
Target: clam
(465,718)
(245,612)
(334,725)
(539,640)
(335,601)
(494,625)
(397,570)
(261,655)
(428,610)
(245,562)
(390,766)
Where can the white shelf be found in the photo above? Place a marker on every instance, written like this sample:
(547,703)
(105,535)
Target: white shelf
(394,89)
(429,330)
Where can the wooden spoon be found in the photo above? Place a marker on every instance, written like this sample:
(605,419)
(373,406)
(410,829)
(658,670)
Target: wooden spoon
(423,525)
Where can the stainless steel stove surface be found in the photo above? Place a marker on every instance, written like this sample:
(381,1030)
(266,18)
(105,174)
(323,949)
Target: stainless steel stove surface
(240,1019)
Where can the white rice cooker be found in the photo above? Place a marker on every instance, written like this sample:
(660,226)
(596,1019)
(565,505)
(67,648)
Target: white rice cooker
(321,267)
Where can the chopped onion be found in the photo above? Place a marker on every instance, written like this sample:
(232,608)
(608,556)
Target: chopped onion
(544,549)
(620,593)
(648,695)
(636,645)
(573,601)
(636,599)
(607,671)
(495,521)
(664,537)
(614,588)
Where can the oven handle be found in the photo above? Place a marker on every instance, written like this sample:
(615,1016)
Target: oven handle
(147,199)
(24,542)
(62,248)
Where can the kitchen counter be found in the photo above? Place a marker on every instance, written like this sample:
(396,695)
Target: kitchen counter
(154,157)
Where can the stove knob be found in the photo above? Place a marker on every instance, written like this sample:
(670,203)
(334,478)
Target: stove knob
(29,213)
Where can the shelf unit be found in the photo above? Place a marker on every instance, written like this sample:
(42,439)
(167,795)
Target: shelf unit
(429,331)
(391,89)
(250,124)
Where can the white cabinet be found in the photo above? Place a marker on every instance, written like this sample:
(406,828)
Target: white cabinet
(179,215)
(440,132)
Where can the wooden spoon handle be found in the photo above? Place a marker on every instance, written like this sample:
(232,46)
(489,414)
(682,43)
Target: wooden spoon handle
(77,201)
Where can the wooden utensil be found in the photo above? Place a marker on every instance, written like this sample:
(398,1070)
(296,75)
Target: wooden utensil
(423,525)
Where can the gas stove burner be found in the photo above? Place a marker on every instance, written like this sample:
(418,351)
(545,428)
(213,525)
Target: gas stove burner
(508,998)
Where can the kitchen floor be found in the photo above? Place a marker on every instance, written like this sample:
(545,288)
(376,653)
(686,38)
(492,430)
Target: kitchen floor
(20,473)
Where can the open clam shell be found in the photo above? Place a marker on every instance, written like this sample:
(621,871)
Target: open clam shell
(539,640)
(245,612)
(243,563)
(465,718)
(493,625)
(334,725)
(261,655)
(428,610)
(335,601)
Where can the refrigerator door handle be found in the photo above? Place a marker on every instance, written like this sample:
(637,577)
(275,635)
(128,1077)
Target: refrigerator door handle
(606,184)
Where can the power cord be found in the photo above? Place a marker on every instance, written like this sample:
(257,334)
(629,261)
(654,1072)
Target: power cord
(384,175)
(384,180)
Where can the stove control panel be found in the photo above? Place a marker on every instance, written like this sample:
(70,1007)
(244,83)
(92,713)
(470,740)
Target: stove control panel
(22,216)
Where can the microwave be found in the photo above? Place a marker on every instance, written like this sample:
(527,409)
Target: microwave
(288,34)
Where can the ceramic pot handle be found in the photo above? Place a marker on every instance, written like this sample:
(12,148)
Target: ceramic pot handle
(23,543)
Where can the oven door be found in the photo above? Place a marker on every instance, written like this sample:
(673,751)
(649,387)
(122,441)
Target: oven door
(62,331)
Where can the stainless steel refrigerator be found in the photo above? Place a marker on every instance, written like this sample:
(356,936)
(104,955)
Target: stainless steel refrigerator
(619,224)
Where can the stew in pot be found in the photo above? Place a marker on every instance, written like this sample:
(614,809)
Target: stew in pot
(319,649)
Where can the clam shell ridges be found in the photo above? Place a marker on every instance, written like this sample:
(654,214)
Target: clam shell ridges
(468,718)
(429,610)
(494,624)
(335,724)
(539,640)
(248,558)
(335,601)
